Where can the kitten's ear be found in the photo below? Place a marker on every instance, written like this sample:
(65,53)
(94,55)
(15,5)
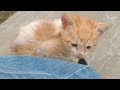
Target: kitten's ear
(66,21)
(103,27)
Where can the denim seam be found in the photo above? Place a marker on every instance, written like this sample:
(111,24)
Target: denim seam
(75,72)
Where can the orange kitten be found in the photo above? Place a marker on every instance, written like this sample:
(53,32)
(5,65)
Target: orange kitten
(68,38)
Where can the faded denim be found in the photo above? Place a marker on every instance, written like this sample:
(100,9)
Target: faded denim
(28,67)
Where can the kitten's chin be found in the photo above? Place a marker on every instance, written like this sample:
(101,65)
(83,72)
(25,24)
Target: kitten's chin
(78,57)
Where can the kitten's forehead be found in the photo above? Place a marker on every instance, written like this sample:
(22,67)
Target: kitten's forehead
(84,33)
(84,28)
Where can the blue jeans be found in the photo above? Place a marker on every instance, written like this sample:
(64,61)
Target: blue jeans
(28,67)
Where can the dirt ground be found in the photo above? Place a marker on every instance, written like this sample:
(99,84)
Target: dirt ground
(4,15)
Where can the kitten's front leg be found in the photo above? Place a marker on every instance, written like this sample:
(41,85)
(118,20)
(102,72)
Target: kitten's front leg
(73,59)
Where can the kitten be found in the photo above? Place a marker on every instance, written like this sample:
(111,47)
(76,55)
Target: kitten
(68,38)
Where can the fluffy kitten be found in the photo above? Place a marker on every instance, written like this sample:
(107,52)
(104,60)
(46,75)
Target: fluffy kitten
(68,38)
(43,38)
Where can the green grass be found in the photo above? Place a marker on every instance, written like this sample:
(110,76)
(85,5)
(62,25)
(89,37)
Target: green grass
(4,15)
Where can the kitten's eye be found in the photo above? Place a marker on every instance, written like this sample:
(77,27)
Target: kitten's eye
(74,45)
(88,47)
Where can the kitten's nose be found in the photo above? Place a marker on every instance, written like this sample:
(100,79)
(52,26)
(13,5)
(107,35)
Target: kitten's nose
(81,55)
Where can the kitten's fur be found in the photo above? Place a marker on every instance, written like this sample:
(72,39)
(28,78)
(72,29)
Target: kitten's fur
(43,38)
(53,38)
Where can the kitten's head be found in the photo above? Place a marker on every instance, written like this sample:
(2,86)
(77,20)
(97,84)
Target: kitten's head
(81,33)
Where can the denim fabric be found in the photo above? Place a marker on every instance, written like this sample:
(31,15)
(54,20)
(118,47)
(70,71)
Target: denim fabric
(28,67)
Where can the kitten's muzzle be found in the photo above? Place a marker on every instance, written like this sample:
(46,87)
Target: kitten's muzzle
(80,55)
